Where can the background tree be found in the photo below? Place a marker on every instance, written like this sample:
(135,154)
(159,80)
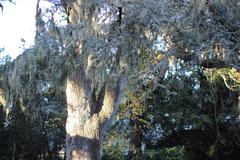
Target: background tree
(198,41)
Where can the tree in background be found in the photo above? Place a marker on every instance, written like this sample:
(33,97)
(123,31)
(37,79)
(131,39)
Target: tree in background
(40,136)
(207,57)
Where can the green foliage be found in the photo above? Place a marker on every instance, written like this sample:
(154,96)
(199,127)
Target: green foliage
(114,147)
(171,153)
(21,138)
(32,132)
(25,138)
(195,111)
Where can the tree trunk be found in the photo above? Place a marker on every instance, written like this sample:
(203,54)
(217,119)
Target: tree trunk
(81,148)
(83,134)
(89,115)
(86,126)
(91,105)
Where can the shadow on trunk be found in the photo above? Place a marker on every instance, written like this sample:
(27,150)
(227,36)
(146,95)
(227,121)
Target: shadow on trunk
(83,148)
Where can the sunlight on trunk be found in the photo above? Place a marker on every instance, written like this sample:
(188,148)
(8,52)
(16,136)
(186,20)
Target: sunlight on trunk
(82,140)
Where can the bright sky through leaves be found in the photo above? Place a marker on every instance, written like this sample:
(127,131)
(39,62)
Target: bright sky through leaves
(17,26)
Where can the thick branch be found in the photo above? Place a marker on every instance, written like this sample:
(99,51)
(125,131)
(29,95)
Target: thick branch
(2,98)
(111,104)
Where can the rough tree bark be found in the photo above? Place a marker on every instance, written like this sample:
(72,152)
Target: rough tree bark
(86,125)
(89,112)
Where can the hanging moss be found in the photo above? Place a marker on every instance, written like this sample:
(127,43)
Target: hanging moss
(230,77)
